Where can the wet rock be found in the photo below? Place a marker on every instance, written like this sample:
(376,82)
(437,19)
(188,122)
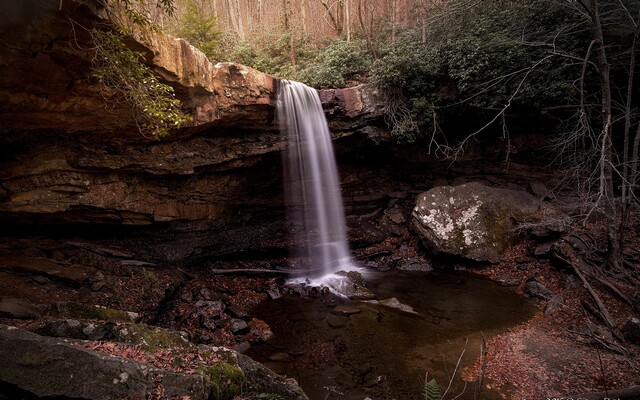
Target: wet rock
(346,310)
(537,290)
(475,221)
(335,321)
(238,326)
(349,284)
(631,330)
(395,303)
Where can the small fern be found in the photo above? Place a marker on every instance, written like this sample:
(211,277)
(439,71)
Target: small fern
(431,390)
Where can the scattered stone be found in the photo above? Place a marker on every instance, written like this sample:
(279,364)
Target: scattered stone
(205,293)
(238,326)
(346,310)
(393,220)
(556,303)
(211,308)
(40,279)
(506,281)
(274,293)
(374,382)
(577,243)
(19,308)
(97,286)
(187,296)
(335,321)
(242,347)
(414,264)
(631,330)
(236,312)
(135,317)
(538,189)
(280,357)
(543,249)
(537,290)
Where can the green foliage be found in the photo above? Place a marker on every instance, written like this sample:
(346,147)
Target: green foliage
(477,58)
(270,53)
(200,29)
(136,10)
(337,64)
(431,390)
(155,107)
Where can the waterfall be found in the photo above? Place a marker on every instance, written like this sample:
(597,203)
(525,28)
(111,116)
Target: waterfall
(311,180)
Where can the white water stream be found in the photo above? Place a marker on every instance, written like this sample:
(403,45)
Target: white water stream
(311,181)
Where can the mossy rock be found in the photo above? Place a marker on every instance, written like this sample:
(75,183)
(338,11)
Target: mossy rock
(225,379)
(151,338)
(89,311)
(475,221)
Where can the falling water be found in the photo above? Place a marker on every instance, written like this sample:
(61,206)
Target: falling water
(312,180)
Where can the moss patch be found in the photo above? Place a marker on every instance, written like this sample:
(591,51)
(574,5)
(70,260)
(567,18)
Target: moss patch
(226,380)
(151,338)
(89,311)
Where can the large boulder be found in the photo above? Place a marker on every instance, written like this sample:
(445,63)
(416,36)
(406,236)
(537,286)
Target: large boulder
(478,222)
(55,367)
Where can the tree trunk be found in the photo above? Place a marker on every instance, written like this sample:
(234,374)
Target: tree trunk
(394,23)
(606,159)
(303,15)
(289,30)
(628,176)
(347,19)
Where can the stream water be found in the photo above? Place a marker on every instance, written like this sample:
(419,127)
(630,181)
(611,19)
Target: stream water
(372,350)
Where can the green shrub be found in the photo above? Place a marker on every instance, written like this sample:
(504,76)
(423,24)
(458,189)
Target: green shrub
(155,107)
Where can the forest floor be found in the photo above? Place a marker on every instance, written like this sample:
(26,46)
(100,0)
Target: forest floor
(564,350)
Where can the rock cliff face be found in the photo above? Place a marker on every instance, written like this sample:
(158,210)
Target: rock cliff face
(71,155)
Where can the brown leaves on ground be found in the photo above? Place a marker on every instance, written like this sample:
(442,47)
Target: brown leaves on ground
(552,355)
(184,360)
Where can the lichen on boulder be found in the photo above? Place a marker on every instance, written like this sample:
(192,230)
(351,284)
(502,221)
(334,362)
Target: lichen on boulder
(477,222)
